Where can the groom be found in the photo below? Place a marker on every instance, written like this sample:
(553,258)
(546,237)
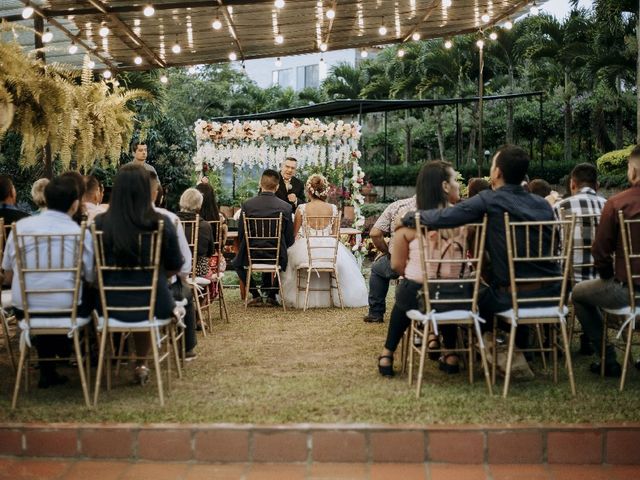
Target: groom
(265,205)
(290,188)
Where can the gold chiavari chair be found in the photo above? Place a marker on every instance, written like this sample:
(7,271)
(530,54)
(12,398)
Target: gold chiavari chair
(438,310)
(161,331)
(217,227)
(5,303)
(322,236)
(59,258)
(545,243)
(263,236)
(628,228)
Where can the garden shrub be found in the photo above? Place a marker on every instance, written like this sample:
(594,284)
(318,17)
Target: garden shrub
(615,162)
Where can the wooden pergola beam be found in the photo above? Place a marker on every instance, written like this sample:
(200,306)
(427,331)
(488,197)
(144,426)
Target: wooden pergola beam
(232,27)
(333,6)
(426,16)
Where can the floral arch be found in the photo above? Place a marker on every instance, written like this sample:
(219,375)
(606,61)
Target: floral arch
(330,149)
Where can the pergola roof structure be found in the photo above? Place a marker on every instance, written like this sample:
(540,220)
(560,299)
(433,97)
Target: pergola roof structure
(249,28)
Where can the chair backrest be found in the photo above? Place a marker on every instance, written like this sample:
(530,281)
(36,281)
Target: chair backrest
(263,236)
(460,253)
(584,229)
(322,234)
(149,249)
(191,231)
(49,266)
(217,231)
(630,228)
(544,250)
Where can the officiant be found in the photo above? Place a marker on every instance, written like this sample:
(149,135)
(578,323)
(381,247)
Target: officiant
(290,189)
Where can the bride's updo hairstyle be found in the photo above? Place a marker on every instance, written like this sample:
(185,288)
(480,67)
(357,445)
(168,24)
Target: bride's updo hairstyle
(317,186)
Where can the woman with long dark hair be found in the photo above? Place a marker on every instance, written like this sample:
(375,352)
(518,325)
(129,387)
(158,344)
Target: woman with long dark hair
(436,187)
(210,212)
(129,218)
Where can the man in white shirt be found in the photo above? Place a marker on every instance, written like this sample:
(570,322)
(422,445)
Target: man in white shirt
(92,198)
(63,201)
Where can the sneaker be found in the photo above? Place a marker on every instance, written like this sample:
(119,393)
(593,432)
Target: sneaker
(190,355)
(373,319)
(255,302)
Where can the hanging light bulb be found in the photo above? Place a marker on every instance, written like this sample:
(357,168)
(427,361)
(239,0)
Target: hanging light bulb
(176,48)
(106,74)
(480,44)
(27,12)
(233,57)
(493,36)
(149,11)
(382,30)
(279,3)
(73,48)
(508,25)
(47,36)
(446,3)
(323,47)
(534,9)
(448,44)
(364,53)
(164,79)
(104,31)
(279,39)
(485,17)
(216,24)
(331,14)
(416,36)
(401,52)
(278,62)
(91,64)
(137,60)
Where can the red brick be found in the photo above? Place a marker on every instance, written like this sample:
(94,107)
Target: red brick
(51,443)
(334,471)
(156,471)
(622,447)
(520,472)
(10,442)
(397,447)
(217,472)
(280,447)
(618,472)
(574,447)
(514,447)
(102,470)
(457,472)
(107,443)
(222,446)
(276,472)
(456,447)
(339,447)
(165,445)
(405,471)
(580,472)
(29,468)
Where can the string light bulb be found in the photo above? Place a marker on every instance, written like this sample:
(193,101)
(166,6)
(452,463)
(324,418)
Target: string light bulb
(164,79)
(323,47)
(416,36)
(493,36)
(279,39)
(106,74)
(91,64)
(233,57)
(446,3)
(480,44)
(47,36)
(401,52)
(382,30)
(138,60)
(448,44)
(27,12)
(279,3)
(485,17)
(104,31)
(331,14)
(216,24)
(535,10)
(148,11)
(364,53)
(278,62)
(176,48)
(508,25)
(73,48)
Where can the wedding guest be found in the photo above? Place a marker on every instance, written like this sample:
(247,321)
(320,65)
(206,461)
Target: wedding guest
(139,151)
(190,205)
(210,211)
(290,188)
(80,214)
(8,198)
(37,194)
(477,185)
(92,198)
(265,205)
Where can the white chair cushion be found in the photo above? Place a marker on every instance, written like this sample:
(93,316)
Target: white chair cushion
(320,265)
(63,323)
(264,266)
(203,281)
(143,325)
(450,316)
(622,311)
(7,299)
(535,312)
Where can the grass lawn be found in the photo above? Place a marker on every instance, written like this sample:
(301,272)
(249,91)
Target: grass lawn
(267,366)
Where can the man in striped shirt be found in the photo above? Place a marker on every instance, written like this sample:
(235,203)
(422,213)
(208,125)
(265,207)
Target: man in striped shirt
(583,201)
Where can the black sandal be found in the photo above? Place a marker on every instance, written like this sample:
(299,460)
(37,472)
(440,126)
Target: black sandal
(449,368)
(433,343)
(386,370)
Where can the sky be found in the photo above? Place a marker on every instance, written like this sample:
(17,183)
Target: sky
(560,8)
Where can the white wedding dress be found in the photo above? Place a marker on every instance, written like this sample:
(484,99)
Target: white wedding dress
(352,284)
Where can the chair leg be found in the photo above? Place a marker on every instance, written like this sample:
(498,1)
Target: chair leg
(408,338)
(507,376)
(469,352)
(565,340)
(603,343)
(16,388)
(483,357)
(156,364)
(284,306)
(198,309)
(222,302)
(405,347)
(627,353)
(541,345)
(494,352)
(7,338)
(553,341)
(339,289)
(123,337)
(246,287)
(306,290)
(103,343)
(175,350)
(423,354)
(83,380)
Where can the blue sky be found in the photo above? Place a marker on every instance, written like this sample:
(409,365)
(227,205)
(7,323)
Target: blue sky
(560,8)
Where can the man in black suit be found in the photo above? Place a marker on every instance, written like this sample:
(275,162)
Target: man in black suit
(290,189)
(266,205)
(8,198)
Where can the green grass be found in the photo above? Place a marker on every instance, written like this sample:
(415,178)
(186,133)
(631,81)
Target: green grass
(267,366)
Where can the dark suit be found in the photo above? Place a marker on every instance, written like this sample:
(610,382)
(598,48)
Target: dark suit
(297,187)
(11,214)
(265,205)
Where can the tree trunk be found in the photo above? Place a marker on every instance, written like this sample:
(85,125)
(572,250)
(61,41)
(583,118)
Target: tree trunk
(619,119)
(439,131)
(567,119)
(510,110)
(407,145)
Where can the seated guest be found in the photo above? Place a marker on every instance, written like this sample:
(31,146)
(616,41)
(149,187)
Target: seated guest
(8,198)
(477,185)
(131,215)
(610,290)
(179,285)
(190,204)
(92,198)
(264,205)
(37,193)
(508,170)
(543,189)
(583,184)
(436,188)
(80,214)
(210,211)
(62,198)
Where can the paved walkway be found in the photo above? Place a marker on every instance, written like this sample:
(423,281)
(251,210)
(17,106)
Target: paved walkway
(19,469)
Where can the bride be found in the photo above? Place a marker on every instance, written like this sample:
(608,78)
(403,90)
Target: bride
(352,284)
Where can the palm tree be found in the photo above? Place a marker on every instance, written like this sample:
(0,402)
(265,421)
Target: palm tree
(344,81)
